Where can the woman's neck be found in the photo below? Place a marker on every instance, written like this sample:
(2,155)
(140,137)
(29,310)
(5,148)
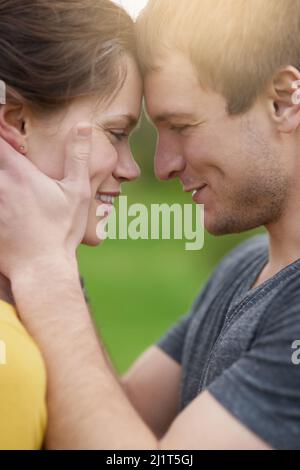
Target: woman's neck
(5,290)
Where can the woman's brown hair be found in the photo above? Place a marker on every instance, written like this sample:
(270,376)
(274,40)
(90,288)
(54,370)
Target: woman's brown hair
(52,51)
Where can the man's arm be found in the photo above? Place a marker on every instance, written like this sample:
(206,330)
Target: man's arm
(206,425)
(152,386)
(87,407)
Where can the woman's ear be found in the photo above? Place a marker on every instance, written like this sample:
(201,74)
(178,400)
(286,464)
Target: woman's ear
(13,126)
(285,101)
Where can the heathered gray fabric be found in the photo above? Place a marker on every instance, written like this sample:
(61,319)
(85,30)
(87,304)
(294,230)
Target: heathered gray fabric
(237,343)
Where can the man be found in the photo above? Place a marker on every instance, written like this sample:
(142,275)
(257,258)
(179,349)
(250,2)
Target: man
(221,86)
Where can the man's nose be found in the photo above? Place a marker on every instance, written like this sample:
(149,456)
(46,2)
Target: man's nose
(168,163)
(127,168)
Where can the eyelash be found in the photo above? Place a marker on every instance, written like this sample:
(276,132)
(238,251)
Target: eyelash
(119,135)
(179,128)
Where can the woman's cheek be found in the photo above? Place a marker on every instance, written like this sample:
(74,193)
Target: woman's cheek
(49,158)
(104,155)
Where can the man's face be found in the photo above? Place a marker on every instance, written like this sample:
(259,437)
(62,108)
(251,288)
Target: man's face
(238,158)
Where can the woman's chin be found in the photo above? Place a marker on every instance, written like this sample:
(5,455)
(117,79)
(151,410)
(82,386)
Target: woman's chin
(91,240)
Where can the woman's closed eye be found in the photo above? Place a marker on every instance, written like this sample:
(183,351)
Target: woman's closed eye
(114,134)
(119,134)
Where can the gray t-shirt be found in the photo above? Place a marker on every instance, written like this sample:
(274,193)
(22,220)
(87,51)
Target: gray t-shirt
(237,343)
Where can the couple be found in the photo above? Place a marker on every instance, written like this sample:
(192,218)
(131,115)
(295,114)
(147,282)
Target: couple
(217,78)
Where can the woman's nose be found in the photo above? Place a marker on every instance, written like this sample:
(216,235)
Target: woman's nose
(127,169)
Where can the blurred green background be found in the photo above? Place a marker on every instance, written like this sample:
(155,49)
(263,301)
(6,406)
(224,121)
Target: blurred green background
(138,289)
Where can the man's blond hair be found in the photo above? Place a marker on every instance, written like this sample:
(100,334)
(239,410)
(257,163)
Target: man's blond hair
(236,46)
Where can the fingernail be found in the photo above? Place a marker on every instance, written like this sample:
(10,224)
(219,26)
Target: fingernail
(84,131)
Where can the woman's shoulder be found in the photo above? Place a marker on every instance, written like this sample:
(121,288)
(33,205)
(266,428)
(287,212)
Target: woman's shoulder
(22,385)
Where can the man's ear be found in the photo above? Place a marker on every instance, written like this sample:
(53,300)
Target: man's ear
(285,93)
(13,126)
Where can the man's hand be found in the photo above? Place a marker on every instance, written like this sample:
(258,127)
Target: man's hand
(41,216)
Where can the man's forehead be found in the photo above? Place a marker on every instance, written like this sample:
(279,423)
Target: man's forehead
(171,89)
(174,69)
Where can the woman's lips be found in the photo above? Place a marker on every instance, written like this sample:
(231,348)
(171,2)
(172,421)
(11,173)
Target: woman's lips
(105,198)
(106,201)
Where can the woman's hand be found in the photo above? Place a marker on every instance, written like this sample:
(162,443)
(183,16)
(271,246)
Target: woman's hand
(42,219)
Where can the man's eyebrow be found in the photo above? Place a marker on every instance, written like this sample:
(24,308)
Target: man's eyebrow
(166,117)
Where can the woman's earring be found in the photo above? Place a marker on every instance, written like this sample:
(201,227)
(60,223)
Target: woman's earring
(22,148)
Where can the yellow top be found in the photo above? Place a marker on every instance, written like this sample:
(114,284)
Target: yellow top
(23,413)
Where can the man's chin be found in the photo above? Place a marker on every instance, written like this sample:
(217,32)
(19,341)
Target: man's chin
(230,226)
(214,226)
(217,231)
(219,226)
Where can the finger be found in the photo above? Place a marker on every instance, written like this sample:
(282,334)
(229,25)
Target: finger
(77,152)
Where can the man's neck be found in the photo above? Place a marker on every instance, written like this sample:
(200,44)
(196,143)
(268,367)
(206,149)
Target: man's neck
(284,246)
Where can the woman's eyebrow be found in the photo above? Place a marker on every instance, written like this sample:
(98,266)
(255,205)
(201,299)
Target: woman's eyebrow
(128,119)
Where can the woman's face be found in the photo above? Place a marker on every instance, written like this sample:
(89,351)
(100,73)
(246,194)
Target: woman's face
(111,162)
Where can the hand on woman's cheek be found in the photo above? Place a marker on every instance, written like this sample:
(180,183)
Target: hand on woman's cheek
(46,151)
(47,136)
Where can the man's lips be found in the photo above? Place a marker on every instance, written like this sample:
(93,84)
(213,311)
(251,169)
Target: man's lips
(197,193)
(192,189)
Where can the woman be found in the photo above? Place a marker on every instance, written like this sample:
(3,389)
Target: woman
(62,62)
